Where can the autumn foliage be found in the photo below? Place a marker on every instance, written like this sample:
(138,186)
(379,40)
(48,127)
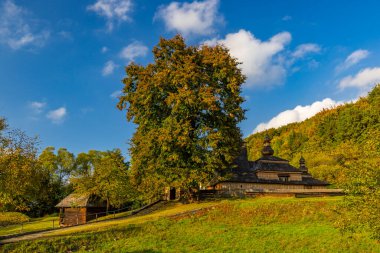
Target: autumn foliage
(186,105)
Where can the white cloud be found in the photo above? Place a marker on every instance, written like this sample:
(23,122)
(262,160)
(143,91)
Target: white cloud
(18,29)
(354,58)
(133,50)
(364,79)
(260,61)
(198,17)
(298,114)
(304,49)
(115,11)
(37,107)
(109,68)
(57,116)
(116,94)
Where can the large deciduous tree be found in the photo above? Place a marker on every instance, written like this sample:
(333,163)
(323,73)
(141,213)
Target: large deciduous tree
(18,170)
(186,105)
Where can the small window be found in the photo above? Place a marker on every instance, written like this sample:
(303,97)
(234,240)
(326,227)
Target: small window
(241,186)
(283,178)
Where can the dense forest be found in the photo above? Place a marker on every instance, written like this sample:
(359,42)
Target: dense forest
(342,146)
(331,141)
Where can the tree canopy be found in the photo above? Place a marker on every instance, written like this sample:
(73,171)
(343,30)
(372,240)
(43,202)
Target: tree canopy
(186,105)
(18,169)
(104,174)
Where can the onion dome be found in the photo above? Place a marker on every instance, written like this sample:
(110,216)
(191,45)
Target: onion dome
(302,161)
(267,149)
(303,167)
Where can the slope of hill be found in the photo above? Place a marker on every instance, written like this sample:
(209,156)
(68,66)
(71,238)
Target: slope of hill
(331,141)
(251,225)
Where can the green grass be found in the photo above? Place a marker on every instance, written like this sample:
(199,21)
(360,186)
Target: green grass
(12,218)
(35,224)
(254,225)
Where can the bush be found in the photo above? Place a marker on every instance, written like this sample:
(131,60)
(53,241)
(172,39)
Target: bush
(12,218)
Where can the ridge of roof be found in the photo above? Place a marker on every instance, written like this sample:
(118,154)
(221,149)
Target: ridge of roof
(74,200)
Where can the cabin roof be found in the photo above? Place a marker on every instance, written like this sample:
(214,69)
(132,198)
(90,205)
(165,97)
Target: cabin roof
(74,200)
(81,200)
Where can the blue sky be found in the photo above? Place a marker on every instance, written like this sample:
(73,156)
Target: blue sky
(61,62)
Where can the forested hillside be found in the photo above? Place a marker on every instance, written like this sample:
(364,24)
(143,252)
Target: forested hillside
(333,142)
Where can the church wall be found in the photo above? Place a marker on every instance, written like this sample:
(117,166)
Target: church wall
(252,186)
(274,175)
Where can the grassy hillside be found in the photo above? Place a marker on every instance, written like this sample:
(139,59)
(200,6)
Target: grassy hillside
(333,142)
(252,225)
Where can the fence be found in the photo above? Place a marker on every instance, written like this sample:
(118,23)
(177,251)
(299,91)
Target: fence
(51,223)
(29,227)
(80,218)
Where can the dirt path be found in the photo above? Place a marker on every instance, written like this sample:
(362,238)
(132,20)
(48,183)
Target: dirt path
(44,234)
(38,234)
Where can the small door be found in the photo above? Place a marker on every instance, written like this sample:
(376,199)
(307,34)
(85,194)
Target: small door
(172,193)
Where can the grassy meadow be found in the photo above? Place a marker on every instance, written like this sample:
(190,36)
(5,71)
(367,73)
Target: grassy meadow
(30,225)
(250,225)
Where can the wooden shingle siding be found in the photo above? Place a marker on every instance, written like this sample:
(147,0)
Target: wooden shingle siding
(250,186)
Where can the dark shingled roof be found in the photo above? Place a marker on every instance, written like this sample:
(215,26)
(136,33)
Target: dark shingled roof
(249,176)
(272,163)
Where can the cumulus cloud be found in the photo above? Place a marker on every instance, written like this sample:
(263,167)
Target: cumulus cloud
(364,79)
(298,114)
(37,107)
(198,17)
(260,61)
(133,50)
(109,68)
(115,11)
(57,116)
(305,49)
(354,58)
(18,29)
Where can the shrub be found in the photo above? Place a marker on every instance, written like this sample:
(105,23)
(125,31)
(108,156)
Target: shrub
(12,218)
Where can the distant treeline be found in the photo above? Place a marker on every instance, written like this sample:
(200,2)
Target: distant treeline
(33,182)
(331,140)
(342,146)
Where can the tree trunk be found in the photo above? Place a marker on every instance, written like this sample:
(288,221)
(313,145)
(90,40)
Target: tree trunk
(108,205)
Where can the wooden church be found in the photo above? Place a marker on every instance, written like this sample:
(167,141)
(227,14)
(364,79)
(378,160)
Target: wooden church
(271,175)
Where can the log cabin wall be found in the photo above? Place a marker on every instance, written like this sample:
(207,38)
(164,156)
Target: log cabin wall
(251,186)
(73,216)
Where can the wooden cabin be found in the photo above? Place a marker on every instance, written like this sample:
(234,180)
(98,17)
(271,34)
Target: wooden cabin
(78,209)
(270,175)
